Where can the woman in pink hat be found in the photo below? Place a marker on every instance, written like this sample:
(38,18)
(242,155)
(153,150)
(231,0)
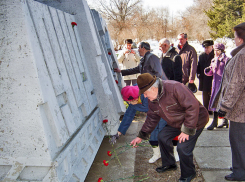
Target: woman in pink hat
(138,102)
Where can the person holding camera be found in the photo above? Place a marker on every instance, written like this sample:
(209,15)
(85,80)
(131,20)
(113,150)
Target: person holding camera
(129,59)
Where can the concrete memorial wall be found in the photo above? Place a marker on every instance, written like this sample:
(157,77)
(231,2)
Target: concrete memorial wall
(57,86)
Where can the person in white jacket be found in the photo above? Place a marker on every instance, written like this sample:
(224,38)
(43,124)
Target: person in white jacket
(129,59)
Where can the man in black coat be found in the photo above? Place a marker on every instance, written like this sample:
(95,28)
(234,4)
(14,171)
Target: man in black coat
(205,82)
(170,60)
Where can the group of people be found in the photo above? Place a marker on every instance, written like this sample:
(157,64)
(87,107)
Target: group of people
(164,89)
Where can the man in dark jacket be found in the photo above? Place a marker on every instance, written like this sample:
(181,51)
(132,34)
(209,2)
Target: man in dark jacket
(188,55)
(170,61)
(185,115)
(205,82)
(148,64)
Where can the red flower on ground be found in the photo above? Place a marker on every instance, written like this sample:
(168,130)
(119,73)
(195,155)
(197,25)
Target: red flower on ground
(109,153)
(100,180)
(105,120)
(116,81)
(109,53)
(73,24)
(105,163)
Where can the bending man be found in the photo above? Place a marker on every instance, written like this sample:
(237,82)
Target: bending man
(185,117)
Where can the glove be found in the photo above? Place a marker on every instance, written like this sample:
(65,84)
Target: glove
(221,114)
(207,69)
(113,139)
(192,87)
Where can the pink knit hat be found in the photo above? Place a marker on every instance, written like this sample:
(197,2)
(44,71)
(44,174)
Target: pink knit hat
(130,93)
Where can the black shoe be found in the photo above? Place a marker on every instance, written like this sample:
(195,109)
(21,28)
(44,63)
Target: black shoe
(212,126)
(230,177)
(166,168)
(214,122)
(231,168)
(188,179)
(225,123)
(210,112)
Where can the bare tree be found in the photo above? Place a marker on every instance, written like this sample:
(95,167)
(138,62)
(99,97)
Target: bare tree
(194,20)
(119,14)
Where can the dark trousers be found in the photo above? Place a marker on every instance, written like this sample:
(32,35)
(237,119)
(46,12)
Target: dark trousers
(237,141)
(206,98)
(128,82)
(185,150)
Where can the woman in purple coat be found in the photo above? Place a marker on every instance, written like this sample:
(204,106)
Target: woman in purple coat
(216,70)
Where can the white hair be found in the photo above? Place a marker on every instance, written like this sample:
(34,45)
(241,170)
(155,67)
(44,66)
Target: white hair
(164,41)
(156,84)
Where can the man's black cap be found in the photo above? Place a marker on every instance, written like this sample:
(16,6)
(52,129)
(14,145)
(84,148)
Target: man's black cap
(207,43)
(128,41)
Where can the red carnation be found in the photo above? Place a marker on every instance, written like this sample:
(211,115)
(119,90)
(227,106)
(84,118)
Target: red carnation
(116,81)
(105,120)
(105,163)
(100,180)
(73,24)
(109,53)
(109,153)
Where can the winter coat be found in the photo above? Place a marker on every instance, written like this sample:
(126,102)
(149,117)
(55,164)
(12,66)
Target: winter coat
(172,65)
(148,64)
(189,62)
(177,105)
(129,60)
(231,96)
(216,71)
(205,82)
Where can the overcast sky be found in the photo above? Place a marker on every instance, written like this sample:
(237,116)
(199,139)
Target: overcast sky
(174,5)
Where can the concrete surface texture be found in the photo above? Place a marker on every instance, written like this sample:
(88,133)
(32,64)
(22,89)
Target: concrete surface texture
(212,154)
(57,86)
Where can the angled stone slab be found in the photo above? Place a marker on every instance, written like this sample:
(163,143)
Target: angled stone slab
(108,60)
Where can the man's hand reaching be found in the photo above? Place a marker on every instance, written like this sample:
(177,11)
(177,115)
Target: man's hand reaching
(135,141)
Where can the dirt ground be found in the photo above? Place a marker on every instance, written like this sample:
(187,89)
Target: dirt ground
(142,167)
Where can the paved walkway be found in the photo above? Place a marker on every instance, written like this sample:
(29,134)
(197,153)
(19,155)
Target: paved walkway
(212,153)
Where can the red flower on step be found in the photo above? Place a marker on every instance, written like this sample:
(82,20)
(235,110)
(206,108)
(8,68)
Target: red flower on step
(105,120)
(100,180)
(116,81)
(109,53)
(109,153)
(73,24)
(105,163)
(221,117)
